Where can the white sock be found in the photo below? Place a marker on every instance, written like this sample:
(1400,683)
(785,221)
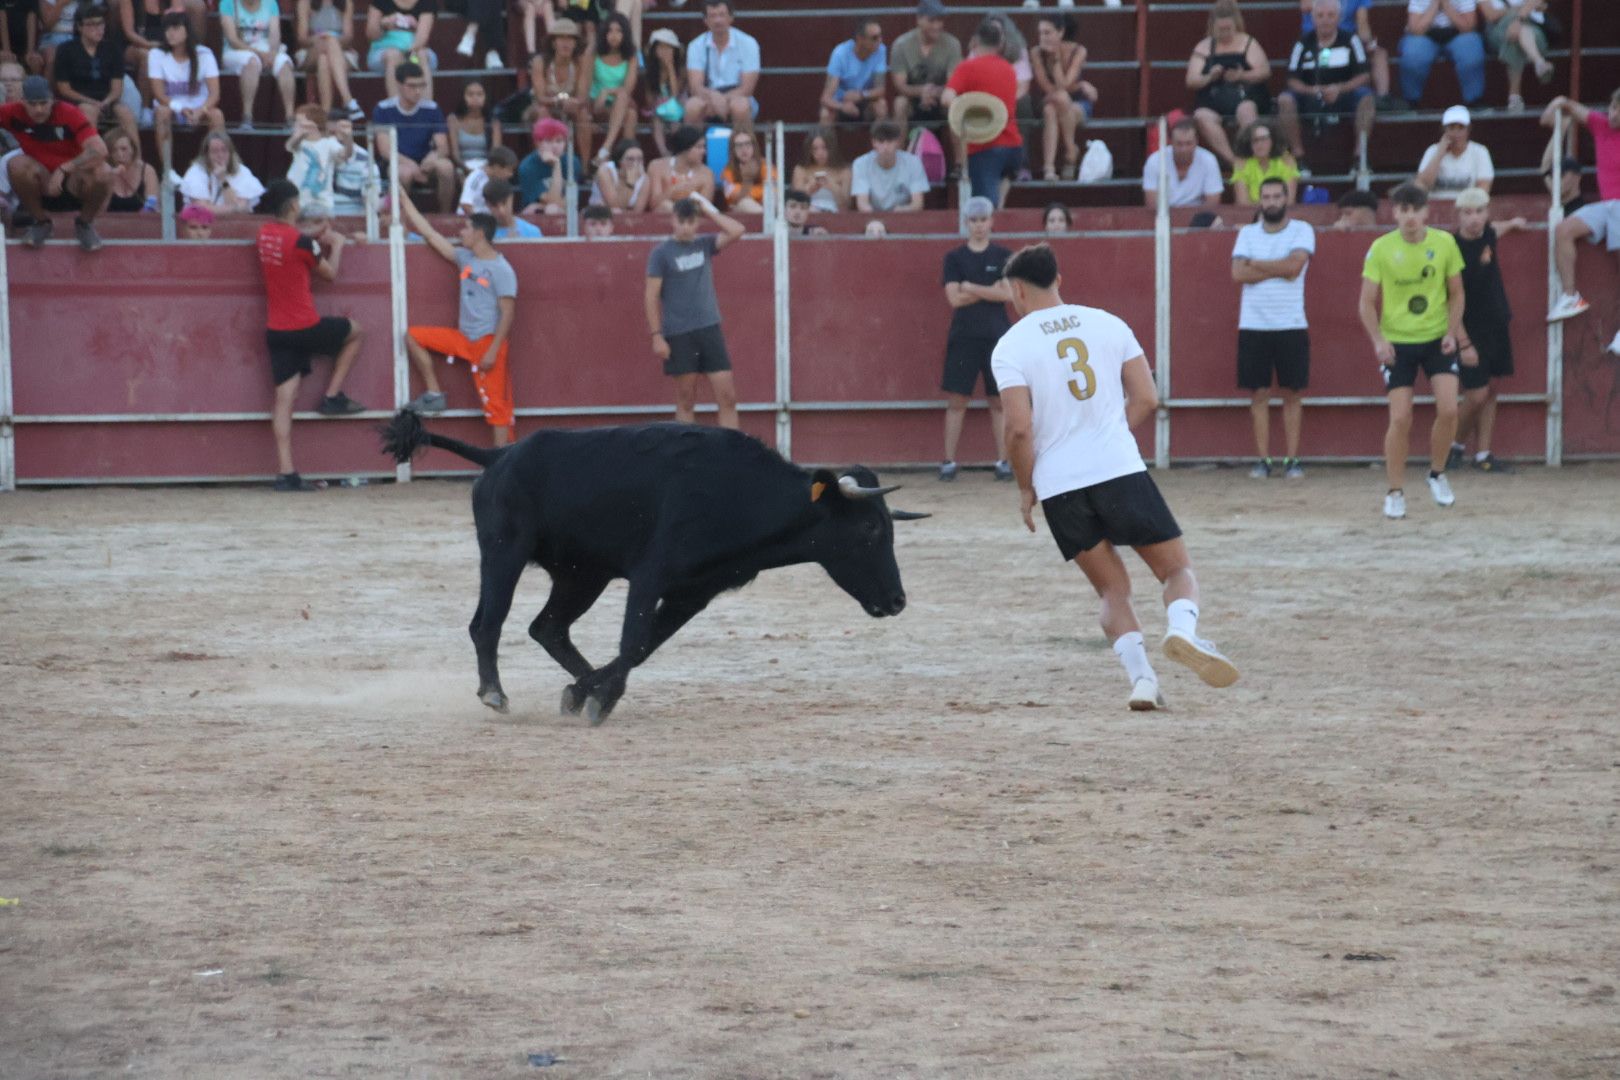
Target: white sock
(1482,455)
(1458,446)
(1132,653)
(1183,615)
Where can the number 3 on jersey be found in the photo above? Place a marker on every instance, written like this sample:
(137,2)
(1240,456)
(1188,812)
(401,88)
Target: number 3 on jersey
(1080,365)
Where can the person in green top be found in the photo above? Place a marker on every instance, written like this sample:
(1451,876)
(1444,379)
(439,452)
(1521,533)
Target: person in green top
(1259,161)
(613,86)
(1419,272)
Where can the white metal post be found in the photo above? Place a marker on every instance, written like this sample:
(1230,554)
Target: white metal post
(1161,303)
(570,189)
(396,292)
(780,260)
(8,431)
(369,193)
(1555,330)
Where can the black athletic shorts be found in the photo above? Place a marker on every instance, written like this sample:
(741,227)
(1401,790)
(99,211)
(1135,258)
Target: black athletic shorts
(292,350)
(1127,511)
(697,352)
(965,360)
(1495,359)
(1263,352)
(1410,358)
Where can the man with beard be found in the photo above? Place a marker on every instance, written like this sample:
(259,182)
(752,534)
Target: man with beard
(1269,261)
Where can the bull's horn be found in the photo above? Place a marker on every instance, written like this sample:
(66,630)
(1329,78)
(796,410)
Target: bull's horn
(908,515)
(852,489)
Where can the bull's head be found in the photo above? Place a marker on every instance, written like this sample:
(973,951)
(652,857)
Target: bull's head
(854,542)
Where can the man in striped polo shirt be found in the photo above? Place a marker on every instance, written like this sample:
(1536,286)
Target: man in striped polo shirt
(1269,261)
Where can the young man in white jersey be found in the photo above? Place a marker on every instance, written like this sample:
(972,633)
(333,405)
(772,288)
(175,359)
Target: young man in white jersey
(1073,383)
(1269,261)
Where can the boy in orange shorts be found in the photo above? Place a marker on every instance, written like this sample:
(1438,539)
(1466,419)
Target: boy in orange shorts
(488,288)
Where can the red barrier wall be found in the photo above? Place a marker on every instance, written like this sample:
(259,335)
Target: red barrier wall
(181,332)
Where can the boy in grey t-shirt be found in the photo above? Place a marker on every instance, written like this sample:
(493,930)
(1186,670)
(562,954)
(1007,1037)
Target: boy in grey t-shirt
(683,314)
(488,290)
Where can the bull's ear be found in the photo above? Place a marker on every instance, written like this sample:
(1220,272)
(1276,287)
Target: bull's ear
(820,482)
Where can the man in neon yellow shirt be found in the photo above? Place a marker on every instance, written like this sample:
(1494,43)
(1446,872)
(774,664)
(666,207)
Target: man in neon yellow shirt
(1419,271)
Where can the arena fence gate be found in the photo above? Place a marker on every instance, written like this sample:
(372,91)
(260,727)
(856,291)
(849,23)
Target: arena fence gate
(145,362)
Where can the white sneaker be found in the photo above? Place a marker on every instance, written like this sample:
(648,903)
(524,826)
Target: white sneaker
(1440,488)
(1032,3)
(468,40)
(1145,696)
(1065,3)
(1614,346)
(1569,305)
(1395,505)
(493,60)
(1202,656)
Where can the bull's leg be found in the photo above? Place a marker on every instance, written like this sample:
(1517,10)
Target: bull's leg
(570,598)
(500,569)
(606,686)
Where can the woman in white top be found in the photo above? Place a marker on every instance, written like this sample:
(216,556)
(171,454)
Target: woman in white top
(184,77)
(1455,163)
(219,180)
(621,182)
(252,30)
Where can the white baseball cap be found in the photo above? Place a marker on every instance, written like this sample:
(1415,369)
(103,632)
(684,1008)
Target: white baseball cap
(1457,114)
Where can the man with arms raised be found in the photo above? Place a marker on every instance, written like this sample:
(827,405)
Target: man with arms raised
(1074,382)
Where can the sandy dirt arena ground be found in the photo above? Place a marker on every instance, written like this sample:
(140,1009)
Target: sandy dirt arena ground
(259,825)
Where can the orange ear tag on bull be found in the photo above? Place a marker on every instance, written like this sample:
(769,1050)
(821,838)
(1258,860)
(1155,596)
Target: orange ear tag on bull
(816,489)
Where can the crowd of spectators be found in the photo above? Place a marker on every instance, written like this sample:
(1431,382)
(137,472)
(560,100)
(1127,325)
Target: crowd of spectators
(589,92)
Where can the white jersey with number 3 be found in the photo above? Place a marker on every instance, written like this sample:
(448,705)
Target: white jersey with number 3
(1070,357)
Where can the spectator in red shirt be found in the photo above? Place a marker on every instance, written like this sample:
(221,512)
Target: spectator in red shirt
(990,165)
(295,330)
(63,164)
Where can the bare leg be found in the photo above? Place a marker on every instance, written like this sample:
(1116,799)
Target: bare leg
(724,389)
(1380,71)
(1398,438)
(422,360)
(281,423)
(1445,420)
(1468,416)
(323,75)
(289,92)
(955,412)
(1171,564)
(1106,571)
(1288,121)
(998,426)
(338,66)
(1366,113)
(1293,416)
(1260,421)
(163,124)
(345,359)
(1213,132)
(1486,422)
(250,86)
(1049,138)
(500,436)
(686,398)
(1569,231)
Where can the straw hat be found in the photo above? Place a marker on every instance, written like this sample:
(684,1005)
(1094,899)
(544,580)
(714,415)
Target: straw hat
(978,117)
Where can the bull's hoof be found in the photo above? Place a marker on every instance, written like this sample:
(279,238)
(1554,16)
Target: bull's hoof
(495,700)
(572,701)
(596,711)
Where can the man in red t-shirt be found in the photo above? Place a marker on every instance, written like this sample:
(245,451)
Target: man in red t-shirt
(989,164)
(63,164)
(295,331)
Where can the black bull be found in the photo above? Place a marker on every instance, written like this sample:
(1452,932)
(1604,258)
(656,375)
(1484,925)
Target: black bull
(683,513)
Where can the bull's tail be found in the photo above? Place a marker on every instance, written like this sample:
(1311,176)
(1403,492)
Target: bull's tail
(404,435)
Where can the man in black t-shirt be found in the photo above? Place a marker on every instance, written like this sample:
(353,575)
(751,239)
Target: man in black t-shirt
(1486,351)
(89,71)
(1327,73)
(978,297)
